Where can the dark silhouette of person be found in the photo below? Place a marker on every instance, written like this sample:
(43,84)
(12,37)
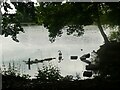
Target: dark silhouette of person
(60,56)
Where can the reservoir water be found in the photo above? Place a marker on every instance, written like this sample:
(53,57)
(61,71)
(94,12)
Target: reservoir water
(35,44)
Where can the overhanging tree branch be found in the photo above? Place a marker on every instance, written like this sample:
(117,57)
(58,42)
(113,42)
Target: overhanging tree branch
(100,26)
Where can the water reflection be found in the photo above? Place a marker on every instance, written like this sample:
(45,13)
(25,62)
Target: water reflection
(35,44)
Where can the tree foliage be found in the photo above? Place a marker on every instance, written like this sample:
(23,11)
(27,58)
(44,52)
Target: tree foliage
(11,23)
(115,35)
(25,12)
(49,73)
(55,17)
(11,27)
(72,16)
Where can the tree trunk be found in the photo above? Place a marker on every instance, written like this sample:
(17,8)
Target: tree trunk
(103,34)
(106,41)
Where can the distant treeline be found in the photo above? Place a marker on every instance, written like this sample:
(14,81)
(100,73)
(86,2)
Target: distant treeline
(27,24)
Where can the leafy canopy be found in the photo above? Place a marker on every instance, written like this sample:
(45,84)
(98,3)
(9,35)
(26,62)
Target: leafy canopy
(74,16)
(55,16)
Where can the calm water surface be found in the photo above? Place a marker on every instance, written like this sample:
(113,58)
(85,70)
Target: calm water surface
(34,43)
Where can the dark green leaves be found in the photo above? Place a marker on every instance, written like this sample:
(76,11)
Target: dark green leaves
(55,17)
(49,73)
(11,22)
(11,26)
(78,29)
(6,6)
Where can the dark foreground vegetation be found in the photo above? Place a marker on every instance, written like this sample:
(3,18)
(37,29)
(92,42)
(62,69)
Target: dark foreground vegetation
(17,83)
(107,76)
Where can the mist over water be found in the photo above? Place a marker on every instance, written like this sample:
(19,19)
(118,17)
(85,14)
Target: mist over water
(35,44)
